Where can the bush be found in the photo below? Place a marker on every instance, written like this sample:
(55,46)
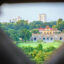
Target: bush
(39,57)
(42,56)
(39,47)
(34,53)
(28,49)
(51,48)
(47,55)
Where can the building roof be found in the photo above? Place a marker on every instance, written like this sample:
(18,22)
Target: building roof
(47,27)
(41,28)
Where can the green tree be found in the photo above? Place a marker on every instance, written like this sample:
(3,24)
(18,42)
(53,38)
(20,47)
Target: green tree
(54,26)
(25,34)
(13,34)
(62,31)
(35,31)
(39,47)
(60,26)
(35,24)
(21,24)
(39,58)
(59,21)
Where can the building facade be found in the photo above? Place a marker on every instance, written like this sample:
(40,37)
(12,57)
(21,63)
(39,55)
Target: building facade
(48,34)
(42,17)
(14,20)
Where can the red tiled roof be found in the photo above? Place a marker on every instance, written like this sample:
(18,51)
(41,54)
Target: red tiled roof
(40,28)
(47,27)
(51,28)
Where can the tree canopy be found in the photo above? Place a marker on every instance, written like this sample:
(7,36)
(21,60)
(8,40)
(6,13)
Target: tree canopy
(17,29)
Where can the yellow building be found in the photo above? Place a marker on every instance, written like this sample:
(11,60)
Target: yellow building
(47,30)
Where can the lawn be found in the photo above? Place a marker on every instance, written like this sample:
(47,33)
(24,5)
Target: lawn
(36,52)
(45,45)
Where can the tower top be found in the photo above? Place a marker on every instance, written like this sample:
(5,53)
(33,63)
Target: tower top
(42,17)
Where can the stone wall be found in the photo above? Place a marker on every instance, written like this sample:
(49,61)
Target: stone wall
(48,38)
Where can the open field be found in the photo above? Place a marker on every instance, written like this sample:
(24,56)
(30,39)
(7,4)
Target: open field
(45,45)
(37,52)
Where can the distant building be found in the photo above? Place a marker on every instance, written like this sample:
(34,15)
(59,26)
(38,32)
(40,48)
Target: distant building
(14,20)
(18,18)
(42,17)
(48,30)
(48,34)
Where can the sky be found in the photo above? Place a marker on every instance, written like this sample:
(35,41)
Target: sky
(31,11)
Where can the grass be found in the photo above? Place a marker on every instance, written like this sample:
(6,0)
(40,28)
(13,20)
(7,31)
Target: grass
(34,44)
(55,44)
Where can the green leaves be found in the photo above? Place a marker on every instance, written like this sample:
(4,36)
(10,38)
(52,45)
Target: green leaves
(25,34)
(13,34)
(35,31)
(39,47)
(21,28)
(60,24)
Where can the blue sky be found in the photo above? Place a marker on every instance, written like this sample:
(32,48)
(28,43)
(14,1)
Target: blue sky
(31,11)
